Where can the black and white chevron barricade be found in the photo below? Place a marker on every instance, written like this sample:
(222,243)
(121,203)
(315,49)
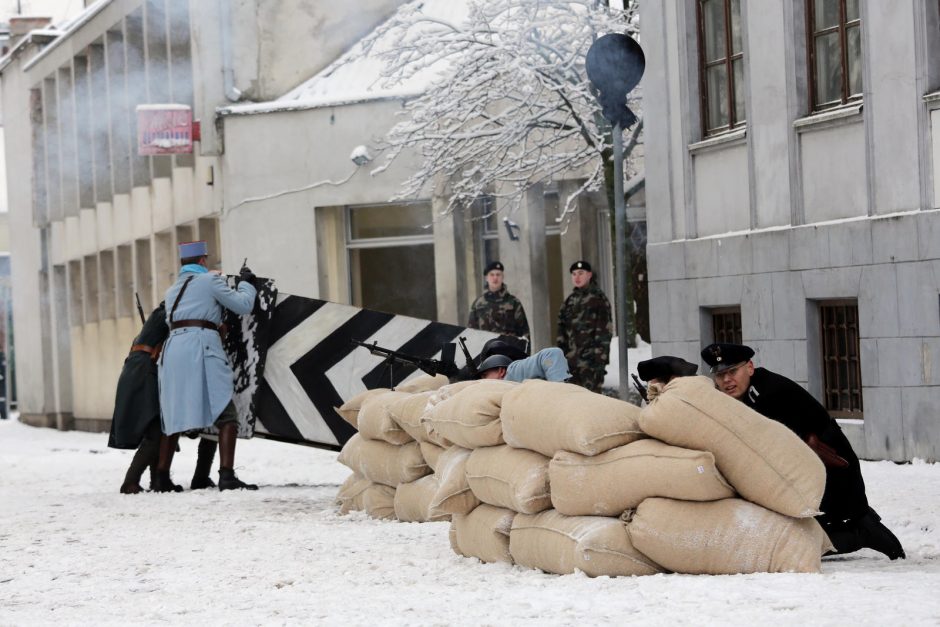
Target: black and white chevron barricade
(313,366)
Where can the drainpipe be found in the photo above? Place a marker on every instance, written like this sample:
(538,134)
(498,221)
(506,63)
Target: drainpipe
(228,69)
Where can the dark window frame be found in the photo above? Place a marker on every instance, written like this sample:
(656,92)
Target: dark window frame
(811,35)
(840,356)
(726,324)
(728,61)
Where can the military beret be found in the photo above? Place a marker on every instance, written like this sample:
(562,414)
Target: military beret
(721,356)
(664,367)
(493,265)
(580,265)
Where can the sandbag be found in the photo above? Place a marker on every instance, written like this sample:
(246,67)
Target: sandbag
(726,537)
(511,478)
(483,533)
(453,494)
(381,462)
(407,410)
(765,462)
(621,478)
(439,396)
(548,417)
(379,501)
(349,497)
(470,418)
(422,383)
(376,421)
(412,500)
(431,453)
(560,544)
(349,411)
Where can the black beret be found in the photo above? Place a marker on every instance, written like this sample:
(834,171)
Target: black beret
(664,367)
(493,265)
(580,265)
(722,356)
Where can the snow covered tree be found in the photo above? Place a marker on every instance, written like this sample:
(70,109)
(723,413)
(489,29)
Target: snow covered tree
(508,103)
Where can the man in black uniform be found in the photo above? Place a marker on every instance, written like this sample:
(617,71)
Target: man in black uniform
(847,518)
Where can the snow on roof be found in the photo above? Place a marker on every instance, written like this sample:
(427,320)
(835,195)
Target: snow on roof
(360,75)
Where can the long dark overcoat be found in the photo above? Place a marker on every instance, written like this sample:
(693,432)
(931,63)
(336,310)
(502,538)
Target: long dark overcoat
(137,400)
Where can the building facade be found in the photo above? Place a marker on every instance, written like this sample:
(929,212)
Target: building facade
(793,186)
(93,223)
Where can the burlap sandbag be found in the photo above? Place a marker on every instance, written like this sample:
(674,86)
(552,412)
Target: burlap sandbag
(560,544)
(407,410)
(452,537)
(431,453)
(381,462)
(763,460)
(436,397)
(412,500)
(512,478)
(349,411)
(349,497)
(453,494)
(376,421)
(619,479)
(422,383)
(379,501)
(726,537)
(470,418)
(483,533)
(548,417)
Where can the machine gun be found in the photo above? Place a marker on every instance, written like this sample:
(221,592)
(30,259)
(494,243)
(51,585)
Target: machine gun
(445,365)
(640,388)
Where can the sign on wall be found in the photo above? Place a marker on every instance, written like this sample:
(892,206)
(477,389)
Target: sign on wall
(164,129)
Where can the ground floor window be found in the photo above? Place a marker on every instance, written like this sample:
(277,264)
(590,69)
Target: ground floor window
(391,259)
(841,365)
(726,325)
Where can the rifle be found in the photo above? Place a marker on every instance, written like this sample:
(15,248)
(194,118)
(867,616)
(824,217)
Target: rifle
(640,388)
(471,365)
(433,367)
(140,310)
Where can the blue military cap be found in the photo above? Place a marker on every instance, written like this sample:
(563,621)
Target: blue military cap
(193,249)
(722,355)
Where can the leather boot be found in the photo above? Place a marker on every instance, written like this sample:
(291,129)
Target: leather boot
(228,481)
(873,534)
(146,455)
(165,484)
(204,459)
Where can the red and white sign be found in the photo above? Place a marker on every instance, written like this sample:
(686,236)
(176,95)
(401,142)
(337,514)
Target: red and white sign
(164,129)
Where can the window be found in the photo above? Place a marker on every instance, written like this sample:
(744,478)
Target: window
(726,325)
(834,33)
(842,373)
(721,65)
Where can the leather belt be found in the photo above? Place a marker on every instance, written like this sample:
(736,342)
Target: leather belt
(202,324)
(143,348)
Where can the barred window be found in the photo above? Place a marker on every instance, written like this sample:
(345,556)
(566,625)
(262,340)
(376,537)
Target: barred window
(834,33)
(842,371)
(721,65)
(726,325)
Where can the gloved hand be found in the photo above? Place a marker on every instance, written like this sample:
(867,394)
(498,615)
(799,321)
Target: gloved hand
(245,274)
(826,453)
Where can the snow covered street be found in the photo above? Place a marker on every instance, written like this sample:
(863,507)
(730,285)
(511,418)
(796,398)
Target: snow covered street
(73,550)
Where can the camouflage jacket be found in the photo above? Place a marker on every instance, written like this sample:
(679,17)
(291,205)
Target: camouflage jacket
(499,312)
(584,326)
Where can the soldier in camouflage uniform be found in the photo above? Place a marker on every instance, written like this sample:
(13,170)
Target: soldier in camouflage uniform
(585,329)
(497,310)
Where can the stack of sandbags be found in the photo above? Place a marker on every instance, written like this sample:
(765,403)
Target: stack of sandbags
(780,480)
(384,454)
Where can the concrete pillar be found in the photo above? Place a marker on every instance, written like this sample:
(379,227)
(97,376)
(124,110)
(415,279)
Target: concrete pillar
(450,267)
(579,240)
(524,259)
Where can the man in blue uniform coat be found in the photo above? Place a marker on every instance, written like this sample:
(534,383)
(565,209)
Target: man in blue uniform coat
(196,380)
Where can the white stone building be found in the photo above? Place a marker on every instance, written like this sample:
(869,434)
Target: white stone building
(793,186)
(92,222)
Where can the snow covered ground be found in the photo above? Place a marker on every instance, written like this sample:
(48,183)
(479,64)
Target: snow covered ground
(75,551)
